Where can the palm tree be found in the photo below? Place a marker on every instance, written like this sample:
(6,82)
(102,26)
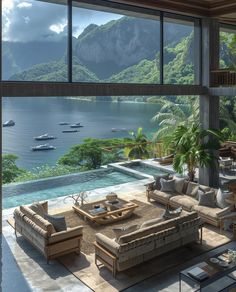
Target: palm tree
(138,147)
(174,114)
(193,147)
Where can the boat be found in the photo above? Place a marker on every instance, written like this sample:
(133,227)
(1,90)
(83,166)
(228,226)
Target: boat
(9,123)
(70,131)
(63,123)
(44,137)
(76,125)
(43,147)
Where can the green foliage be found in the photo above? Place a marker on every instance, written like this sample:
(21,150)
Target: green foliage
(139,146)
(45,171)
(228,135)
(193,147)
(95,152)
(10,171)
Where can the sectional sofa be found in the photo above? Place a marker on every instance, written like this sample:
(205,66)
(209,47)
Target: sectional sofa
(146,243)
(189,203)
(41,233)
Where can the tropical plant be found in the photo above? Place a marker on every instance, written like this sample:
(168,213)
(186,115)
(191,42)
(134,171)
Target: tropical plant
(10,171)
(172,114)
(139,145)
(193,147)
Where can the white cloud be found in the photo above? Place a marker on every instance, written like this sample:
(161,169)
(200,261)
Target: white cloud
(58,28)
(24,5)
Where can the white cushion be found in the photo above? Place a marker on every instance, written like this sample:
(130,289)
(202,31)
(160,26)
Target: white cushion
(220,199)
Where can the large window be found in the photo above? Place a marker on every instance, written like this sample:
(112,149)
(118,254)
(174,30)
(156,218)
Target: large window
(115,47)
(180,50)
(34,40)
(101,42)
(228,47)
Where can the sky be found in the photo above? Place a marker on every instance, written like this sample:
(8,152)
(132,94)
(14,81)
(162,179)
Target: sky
(30,20)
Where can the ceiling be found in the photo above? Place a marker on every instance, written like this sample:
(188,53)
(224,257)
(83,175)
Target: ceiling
(225,10)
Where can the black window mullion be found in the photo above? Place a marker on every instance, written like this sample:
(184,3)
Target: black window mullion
(69,46)
(161,49)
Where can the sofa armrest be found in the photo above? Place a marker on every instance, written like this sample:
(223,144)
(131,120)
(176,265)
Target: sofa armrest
(66,234)
(107,243)
(225,211)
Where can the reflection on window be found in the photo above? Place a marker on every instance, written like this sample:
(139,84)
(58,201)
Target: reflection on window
(116,48)
(178,51)
(34,41)
(228,48)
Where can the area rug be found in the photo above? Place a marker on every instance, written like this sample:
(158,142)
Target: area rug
(83,266)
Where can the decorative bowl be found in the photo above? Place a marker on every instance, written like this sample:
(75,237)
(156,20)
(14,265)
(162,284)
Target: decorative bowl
(112,197)
(214,260)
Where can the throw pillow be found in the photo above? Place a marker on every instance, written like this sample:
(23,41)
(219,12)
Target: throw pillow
(220,199)
(167,185)
(179,184)
(207,199)
(199,193)
(170,214)
(151,222)
(157,185)
(204,188)
(120,231)
(38,209)
(58,222)
(192,189)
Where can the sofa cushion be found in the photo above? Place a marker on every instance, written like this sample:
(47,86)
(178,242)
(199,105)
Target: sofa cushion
(192,189)
(27,211)
(167,185)
(157,185)
(122,230)
(207,211)
(38,209)
(58,222)
(207,199)
(186,202)
(179,184)
(151,222)
(204,188)
(161,196)
(220,199)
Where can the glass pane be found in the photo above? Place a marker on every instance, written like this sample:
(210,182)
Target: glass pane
(115,46)
(34,41)
(228,48)
(179,51)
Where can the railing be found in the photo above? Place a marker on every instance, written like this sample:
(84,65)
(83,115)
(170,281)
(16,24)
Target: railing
(223,77)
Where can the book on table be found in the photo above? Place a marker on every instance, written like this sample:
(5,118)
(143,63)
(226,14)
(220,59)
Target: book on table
(97,211)
(198,273)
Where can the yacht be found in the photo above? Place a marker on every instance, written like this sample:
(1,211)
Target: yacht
(43,147)
(63,123)
(76,125)
(70,131)
(44,137)
(9,123)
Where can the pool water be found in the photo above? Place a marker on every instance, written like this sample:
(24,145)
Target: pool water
(99,180)
(148,169)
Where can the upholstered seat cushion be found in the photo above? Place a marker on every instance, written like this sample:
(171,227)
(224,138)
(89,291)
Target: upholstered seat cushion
(185,201)
(207,211)
(161,197)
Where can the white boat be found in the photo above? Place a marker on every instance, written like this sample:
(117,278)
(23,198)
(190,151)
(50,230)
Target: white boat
(9,123)
(63,123)
(44,137)
(76,125)
(43,147)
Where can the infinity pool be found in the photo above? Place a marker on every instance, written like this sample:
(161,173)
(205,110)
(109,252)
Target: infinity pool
(26,193)
(145,168)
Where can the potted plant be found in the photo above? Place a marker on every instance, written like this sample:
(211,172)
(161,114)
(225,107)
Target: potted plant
(193,147)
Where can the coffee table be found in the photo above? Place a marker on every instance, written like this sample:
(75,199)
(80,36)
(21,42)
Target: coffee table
(104,212)
(214,271)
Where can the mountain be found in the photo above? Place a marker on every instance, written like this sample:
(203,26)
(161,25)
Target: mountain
(123,50)
(119,44)
(21,56)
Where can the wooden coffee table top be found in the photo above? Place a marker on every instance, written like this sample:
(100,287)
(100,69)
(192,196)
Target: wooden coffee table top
(107,212)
